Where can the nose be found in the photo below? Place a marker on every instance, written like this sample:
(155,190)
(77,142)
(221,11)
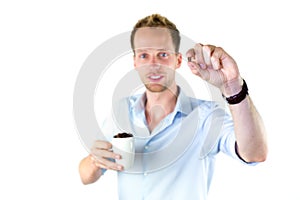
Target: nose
(154,64)
(153,59)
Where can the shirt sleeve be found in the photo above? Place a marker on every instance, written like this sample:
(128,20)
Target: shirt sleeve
(227,141)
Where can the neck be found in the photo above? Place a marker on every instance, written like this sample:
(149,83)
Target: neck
(166,99)
(159,105)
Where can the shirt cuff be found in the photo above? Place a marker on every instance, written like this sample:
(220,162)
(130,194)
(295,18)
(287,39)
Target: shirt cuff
(240,158)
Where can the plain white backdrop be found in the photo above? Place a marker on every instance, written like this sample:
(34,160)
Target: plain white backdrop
(43,45)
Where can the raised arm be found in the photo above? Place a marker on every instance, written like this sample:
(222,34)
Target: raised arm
(215,66)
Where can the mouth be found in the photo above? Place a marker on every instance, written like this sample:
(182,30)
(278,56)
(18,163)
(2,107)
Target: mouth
(155,78)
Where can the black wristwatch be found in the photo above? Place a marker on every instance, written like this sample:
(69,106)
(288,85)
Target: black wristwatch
(235,99)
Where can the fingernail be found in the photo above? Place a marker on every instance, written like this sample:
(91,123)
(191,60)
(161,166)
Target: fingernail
(202,66)
(118,157)
(119,167)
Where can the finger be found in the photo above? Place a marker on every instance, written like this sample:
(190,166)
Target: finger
(96,162)
(208,50)
(197,70)
(100,165)
(102,153)
(217,56)
(199,56)
(194,68)
(108,164)
(100,144)
(215,61)
(190,54)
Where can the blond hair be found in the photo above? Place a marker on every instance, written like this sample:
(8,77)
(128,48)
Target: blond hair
(156,20)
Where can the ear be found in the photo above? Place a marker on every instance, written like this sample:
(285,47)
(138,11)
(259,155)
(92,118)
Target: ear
(179,60)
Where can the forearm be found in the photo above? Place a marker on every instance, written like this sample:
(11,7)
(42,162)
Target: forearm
(249,130)
(89,172)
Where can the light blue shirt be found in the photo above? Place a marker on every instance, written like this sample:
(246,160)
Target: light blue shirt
(176,160)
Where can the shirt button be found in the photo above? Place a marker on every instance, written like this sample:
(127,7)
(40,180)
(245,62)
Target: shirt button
(146,147)
(145,173)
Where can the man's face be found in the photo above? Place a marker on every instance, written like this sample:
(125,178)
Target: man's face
(155,58)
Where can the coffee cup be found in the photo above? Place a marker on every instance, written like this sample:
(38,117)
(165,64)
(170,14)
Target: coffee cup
(123,144)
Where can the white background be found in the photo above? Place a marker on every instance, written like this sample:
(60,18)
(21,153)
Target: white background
(43,45)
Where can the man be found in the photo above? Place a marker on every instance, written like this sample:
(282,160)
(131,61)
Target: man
(168,114)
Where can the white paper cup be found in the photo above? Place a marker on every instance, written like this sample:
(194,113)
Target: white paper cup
(124,147)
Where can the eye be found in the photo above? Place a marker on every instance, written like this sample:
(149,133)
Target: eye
(142,55)
(163,54)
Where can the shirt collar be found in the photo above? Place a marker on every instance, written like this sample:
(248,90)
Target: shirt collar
(183,104)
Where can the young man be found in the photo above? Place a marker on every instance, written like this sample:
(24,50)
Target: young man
(170,117)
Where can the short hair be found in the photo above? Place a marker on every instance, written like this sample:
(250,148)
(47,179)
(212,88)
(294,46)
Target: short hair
(156,20)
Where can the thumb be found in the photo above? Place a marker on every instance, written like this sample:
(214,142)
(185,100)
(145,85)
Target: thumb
(197,70)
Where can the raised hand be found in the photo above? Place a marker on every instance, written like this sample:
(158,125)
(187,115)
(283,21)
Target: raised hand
(215,66)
